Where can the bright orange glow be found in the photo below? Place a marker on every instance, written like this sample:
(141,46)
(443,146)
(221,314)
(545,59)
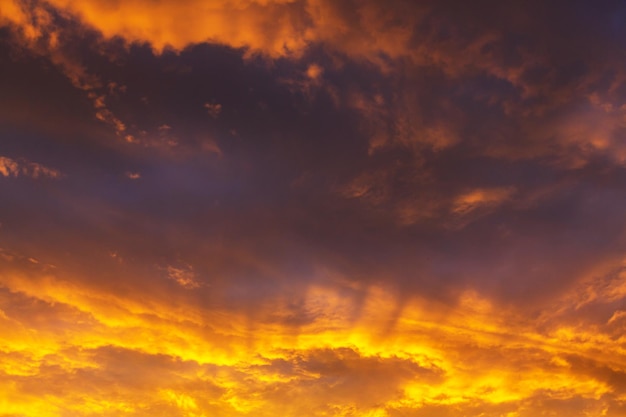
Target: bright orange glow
(324,208)
(199,361)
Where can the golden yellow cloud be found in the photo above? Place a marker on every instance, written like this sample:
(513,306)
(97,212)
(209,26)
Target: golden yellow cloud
(71,348)
(70,345)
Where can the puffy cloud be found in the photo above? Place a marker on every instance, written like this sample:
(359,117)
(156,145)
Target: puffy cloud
(271,27)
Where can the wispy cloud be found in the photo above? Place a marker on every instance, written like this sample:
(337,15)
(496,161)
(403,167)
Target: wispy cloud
(21,167)
(183,276)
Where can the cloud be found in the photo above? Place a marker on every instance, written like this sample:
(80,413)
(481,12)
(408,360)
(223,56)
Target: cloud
(314,71)
(15,168)
(8,167)
(185,277)
(97,351)
(475,199)
(214,109)
(132,175)
(275,28)
(179,25)
(405,42)
(345,208)
(41,30)
(473,204)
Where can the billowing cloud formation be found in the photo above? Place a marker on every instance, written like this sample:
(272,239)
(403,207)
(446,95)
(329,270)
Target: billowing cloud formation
(115,355)
(584,111)
(269,26)
(326,208)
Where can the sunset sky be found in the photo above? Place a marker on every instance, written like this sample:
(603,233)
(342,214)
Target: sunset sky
(312,208)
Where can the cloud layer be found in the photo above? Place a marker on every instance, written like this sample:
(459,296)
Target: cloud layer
(327,208)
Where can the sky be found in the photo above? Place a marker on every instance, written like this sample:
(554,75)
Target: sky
(324,208)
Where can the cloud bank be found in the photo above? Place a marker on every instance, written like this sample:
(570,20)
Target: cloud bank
(328,208)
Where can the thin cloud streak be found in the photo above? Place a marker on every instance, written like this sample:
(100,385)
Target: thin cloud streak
(15,168)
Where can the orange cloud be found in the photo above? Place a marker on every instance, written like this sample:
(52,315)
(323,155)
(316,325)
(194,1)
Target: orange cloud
(272,27)
(185,277)
(12,168)
(173,343)
(481,198)
(366,31)
(84,350)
